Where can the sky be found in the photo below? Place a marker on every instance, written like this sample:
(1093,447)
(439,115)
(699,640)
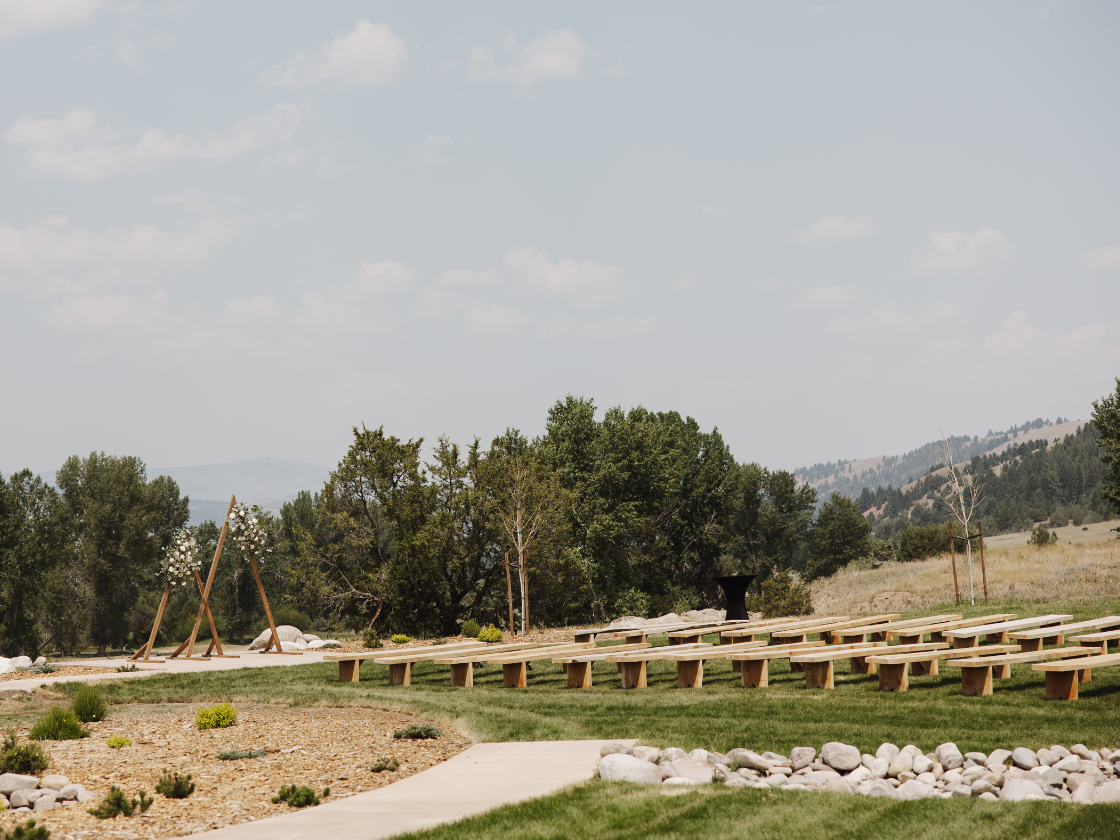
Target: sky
(237,230)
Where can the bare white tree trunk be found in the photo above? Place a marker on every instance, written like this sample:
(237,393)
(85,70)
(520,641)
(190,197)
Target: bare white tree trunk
(954,499)
(521,572)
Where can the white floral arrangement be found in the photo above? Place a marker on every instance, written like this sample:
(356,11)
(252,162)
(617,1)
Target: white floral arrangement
(181,560)
(245,526)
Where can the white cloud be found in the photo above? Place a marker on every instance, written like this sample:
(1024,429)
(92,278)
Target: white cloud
(685,281)
(466,277)
(555,55)
(951,250)
(376,278)
(836,229)
(434,146)
(1077,340)
(485,318)
(890,318)
(79,147)
(19,17)
(110,315)
(369,55)
(1017,334)
(587,283)
(1102,259)
(53,253)
(819,297)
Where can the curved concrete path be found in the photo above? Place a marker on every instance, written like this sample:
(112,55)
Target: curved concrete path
(480,778)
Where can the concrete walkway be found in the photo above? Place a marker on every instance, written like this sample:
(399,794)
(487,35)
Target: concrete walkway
(476,780)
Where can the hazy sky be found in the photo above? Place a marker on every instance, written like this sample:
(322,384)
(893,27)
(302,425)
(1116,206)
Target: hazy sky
(232,230)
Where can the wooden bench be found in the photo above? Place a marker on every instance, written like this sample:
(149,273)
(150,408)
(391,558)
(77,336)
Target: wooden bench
(912,635)
(977,672)
(893,667)
(878,632)
(828,631)
(820,664)
(1062,677)
(400,662)
(462,662)
(1100,640)
(997,633)
(755,664)
(1035,639)
(578,666)
(633,663)
(690,663)
(514,671)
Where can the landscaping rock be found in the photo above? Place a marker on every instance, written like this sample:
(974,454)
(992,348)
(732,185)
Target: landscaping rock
(922,764)
(837,786)
(286,632)
(879,787)
(746,758)
(6,665)
(960,791)
(42,660)
(903,763)
(1020,790)
(24,798)
(651,754)
(618,767)
(802,757)
(991,797)
(775,781)
(292,647)
(927,779)
(860,774)
(700,755)
(776,759)
(21,663)
(842,757)
(701,772)
(879,768)
(1024,758)
(998,757)
(1107,793)
(672,754)
(1070,764)
(86,796)
(11,782)
(1060,750)
(70,792)
(949,756)
(54,781)
(977,757)
(914,789)
(887,751)
(46,801)
(983,786)
(735,780)
(1079,750)
(611,749)
(1076,780)
(678,780)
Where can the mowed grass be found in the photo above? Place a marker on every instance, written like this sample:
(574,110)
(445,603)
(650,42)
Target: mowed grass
(720,716)
(630,812)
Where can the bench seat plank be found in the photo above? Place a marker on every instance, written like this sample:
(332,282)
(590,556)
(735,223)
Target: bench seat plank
(894,668)
(1002,628)
(820,664)
(1062,677)
(941,626)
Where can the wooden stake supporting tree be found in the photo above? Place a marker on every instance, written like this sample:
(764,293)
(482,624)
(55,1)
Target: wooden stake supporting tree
(251,538)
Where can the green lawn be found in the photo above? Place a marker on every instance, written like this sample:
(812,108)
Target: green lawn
(720,716)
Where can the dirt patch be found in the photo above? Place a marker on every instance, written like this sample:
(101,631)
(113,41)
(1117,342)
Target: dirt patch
(59,671)
(316,747)
(891,602)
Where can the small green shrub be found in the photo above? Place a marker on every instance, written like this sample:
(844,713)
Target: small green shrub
(58,724)
(631,602)
(370,640)
(298,796)
(417,732)
(116,803)
(400,639)
(26,759)
(175,786)
(42,669)
(1041,537)
(387,763)
(782,596)
(28,831)
(471,628)
(235,755)
(118,742)
(126,669)
(490,634)
(88,705)
(331,646)
(216,717)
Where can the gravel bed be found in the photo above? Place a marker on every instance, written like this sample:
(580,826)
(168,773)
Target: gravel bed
(59,671)
(318,747)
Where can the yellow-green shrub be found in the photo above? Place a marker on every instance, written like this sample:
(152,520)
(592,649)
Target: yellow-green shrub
(216,717)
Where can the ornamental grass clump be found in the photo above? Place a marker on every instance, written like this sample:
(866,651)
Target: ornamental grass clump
(116,804)
(417,732)
(216,717)
(25,759)
(236,755)
(387,763)
(58,724)
(471,628)
(400,639)
(118,742)
(490,634)
(88,705)
(299,796)
(174,785)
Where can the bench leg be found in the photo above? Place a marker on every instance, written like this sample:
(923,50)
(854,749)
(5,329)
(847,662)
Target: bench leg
(633,674)
(736,667)
(690,673)
(925,669)
(976,681)
(348,670)
(819,675)
(462,676)
(635,640)
(400,674)
(893,677)
(583,637)
(756,673)
(579,675)
(1030,645)
(1085,675)
(996,638)
(966,642)
(938,636)
(1102,645)
(1061,685)
(796,667)
(513,675)
(1002,672)
(860,665)
(910,640)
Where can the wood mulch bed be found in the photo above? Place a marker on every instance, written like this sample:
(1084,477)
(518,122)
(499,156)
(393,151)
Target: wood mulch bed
(317,747)
(59,671)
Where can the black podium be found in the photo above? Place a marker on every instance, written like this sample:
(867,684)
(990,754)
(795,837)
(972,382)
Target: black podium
(735,591)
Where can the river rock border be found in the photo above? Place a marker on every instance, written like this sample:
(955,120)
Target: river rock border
(1060,774)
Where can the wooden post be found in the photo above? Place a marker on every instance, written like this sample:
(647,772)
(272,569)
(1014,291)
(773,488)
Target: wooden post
(147,648)
(509,595)
(983,568)
(275,640)
(524,596)
(189,644)
(953,555)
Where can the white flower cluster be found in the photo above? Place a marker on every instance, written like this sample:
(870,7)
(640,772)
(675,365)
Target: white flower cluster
(244,524)
(180,561)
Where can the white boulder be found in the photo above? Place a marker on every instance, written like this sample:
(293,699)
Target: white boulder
(619,767)
(22,663)
(286,632)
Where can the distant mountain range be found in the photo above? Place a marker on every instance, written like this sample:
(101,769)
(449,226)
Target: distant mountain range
(848,478)
(268,482)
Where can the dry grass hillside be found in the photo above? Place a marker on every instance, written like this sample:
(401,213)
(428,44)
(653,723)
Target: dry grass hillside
(1085,571)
